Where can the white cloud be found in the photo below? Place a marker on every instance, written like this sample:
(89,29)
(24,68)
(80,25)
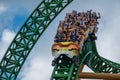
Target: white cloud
(7,37)
(37,69)
(20,5)
(2,8)
(9,10)
(108,41)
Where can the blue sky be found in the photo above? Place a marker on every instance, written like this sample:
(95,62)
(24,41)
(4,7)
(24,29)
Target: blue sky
(13,13)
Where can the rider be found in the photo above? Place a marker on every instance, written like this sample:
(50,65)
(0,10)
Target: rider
(60,36)
(74,36)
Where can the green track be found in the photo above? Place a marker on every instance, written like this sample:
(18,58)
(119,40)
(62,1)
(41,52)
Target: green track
(29,34)
(99,64)
(88,56)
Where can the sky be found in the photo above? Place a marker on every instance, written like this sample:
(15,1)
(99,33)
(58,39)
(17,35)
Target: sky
(13,14)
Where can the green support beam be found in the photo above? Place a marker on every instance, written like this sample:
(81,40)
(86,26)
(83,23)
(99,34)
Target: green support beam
(99,64)
(28,35)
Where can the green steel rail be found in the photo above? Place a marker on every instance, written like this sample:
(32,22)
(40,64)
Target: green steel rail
(99,64)
(66,69)
(28,35)
(88,56)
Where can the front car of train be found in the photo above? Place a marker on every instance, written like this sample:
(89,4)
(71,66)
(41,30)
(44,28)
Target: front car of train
(72,33)
(68,48)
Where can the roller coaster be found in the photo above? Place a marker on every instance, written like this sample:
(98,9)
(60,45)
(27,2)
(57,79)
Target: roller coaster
(67,66)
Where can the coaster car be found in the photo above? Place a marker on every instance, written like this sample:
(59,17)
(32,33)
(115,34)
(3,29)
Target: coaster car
(70,49)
